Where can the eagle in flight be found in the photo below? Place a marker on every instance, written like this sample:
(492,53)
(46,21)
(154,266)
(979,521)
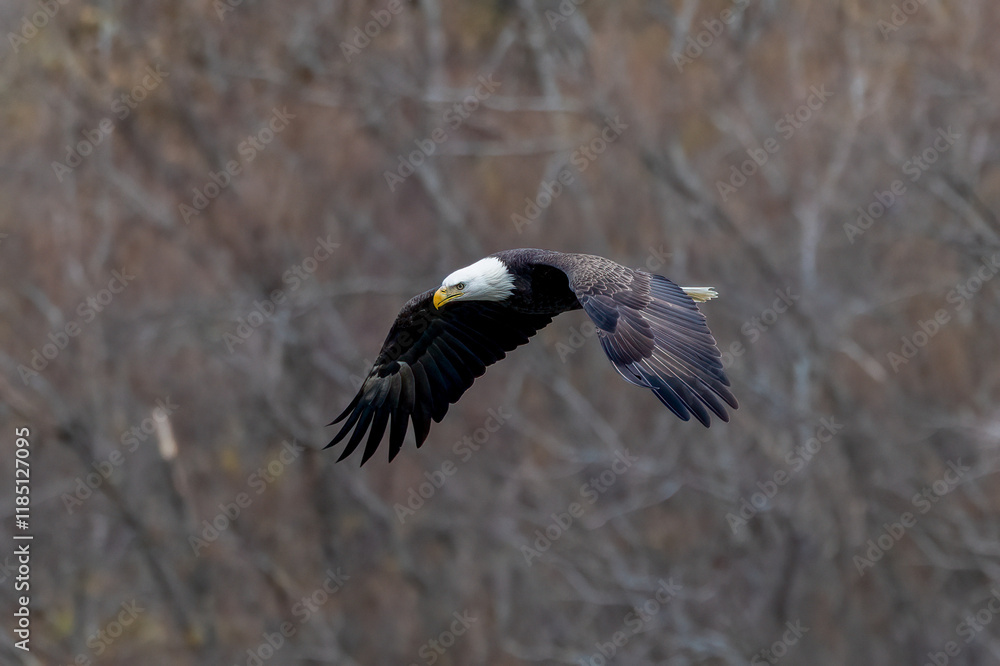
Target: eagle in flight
(444,338)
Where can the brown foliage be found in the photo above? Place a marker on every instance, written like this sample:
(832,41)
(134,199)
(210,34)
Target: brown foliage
(703,92)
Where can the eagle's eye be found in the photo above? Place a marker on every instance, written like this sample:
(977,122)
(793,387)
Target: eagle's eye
(460,286)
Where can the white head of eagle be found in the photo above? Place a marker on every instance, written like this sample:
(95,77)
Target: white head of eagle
(486,280)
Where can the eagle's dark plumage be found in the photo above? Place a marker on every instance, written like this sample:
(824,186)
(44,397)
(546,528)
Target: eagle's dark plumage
(443,339)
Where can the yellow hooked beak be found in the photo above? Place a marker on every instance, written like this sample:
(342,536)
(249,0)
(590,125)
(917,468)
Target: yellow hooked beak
(445,294)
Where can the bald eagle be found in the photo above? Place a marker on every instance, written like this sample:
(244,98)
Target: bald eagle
(444,338)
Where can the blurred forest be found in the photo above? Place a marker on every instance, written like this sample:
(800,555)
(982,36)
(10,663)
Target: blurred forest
(212,212)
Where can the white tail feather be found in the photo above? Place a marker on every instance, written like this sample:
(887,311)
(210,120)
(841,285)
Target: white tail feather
(700,294)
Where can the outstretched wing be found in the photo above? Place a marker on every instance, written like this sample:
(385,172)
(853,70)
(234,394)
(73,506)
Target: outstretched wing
(429,359)
(656,337)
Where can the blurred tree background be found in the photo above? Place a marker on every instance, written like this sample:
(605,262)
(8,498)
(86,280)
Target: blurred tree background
(213,210)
